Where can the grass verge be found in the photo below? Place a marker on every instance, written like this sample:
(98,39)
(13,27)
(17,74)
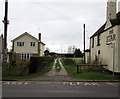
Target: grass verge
(45,70)
(88,75)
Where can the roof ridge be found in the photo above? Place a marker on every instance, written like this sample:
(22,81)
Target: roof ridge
(100,30)
(114,22)
(26,33)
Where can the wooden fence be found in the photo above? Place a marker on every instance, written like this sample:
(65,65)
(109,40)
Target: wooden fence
(90,67)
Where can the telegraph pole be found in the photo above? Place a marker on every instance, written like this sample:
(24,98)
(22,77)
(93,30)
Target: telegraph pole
(6,22)
(84,42)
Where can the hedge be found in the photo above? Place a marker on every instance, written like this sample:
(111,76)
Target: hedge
(38,63)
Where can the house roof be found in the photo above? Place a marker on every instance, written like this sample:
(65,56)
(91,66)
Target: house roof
(87,50)
(42,43)
(113,22)
(100,30)
(28,35)
(116,21)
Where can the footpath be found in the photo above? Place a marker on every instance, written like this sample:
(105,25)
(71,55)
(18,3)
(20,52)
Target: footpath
(54,75)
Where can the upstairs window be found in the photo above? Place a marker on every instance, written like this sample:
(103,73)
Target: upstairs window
(93,42)
(32,43)
(98,40)
(20,43)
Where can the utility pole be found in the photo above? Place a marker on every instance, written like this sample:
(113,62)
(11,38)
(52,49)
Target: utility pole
(6,22)
(113,47)
(84,42)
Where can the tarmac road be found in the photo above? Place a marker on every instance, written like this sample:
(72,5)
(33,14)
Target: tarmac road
(59,89)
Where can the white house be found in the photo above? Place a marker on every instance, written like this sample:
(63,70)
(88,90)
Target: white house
(105,43)
(87,56)
(26,46)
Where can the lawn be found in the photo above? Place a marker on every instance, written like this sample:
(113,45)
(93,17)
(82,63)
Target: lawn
(77,60)
(45,70)
(88,75)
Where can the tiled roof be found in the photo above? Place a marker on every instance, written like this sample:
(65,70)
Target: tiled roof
(23,35)
(99,31)
(29,35)
(114,22)
(87,50)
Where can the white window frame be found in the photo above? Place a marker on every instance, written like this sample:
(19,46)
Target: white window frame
(32,44)
(25,56)
(20,44)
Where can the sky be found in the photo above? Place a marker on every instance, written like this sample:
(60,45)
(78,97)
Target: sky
(59,21)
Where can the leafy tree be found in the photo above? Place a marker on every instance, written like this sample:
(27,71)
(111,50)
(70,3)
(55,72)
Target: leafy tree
(46,52)
(78,53)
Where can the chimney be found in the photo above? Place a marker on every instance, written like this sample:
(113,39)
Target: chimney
(2,35)
(111,9)
(39,37)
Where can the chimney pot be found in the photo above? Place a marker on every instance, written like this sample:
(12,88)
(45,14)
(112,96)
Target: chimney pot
(39,37)
(2,35)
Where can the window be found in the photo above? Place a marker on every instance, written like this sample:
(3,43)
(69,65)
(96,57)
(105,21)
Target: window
(20,43)
(93,42)
(98,52)
(22,56)
(25,56)
(98,40)
(32,43)
(28,56)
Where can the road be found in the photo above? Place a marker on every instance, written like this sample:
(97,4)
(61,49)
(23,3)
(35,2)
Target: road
(59,89)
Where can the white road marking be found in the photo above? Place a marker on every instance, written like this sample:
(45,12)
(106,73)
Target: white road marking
(13,83)
(81,83)
(20,83)
(26,83)
(72,83)
(113,84)
(109,83)
(95,84)
(65,83)
(6,83)
(87,84)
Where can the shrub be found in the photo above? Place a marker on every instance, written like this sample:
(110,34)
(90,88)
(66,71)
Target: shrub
(11,64)
(22,64)
(38,63)
(16,68)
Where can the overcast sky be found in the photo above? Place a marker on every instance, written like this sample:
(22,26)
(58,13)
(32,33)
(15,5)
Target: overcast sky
(59,21)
